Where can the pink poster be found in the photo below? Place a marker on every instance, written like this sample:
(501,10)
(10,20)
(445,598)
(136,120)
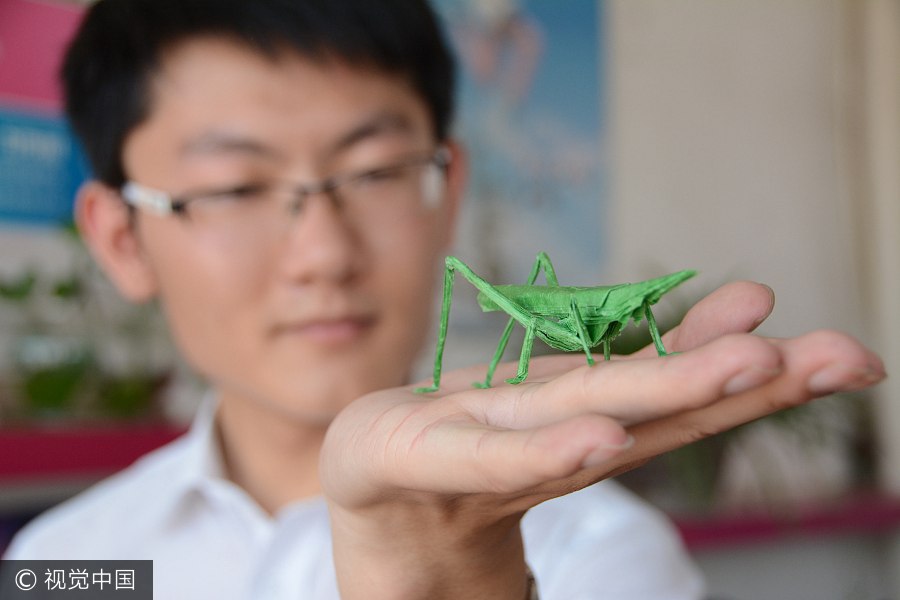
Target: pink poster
(33,35)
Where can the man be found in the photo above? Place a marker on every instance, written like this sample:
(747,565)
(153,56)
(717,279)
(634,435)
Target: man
(279,175)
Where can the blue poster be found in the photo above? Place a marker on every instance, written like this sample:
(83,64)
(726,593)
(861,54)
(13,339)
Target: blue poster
(532,116)
(531,113)
(41,167)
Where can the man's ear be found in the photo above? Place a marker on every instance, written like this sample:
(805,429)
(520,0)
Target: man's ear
(457,179)
(108,228)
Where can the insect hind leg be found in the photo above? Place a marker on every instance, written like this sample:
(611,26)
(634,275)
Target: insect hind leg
(541,262)
(453,266)
(442,332)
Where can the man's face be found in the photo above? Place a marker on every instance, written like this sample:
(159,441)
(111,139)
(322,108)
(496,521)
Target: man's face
(304,321)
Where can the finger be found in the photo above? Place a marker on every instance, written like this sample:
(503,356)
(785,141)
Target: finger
(737,307)
(815,365)
(637,390)
(872,362)
(540,368)
(469,457)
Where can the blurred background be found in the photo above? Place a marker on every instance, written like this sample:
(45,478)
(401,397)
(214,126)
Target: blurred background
(750,139)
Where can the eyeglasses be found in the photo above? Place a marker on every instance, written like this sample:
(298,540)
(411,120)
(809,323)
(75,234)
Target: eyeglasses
(365,197)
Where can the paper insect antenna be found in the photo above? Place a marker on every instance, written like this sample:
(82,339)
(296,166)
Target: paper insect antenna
(565,317)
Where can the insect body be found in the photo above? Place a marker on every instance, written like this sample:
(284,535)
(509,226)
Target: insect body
(564,317)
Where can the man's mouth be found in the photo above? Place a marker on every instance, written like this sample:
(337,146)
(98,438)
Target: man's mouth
(329,331)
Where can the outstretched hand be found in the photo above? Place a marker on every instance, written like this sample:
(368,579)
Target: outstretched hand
(447,476)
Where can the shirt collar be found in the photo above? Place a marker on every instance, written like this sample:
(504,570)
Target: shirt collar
(203,458)
(202,472)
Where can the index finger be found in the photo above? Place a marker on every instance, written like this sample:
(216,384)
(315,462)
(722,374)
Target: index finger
(633,391)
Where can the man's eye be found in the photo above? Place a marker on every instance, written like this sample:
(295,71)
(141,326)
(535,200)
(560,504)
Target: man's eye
(247,192)
(380,175)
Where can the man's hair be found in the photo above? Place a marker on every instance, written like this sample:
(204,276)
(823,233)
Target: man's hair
(108,67)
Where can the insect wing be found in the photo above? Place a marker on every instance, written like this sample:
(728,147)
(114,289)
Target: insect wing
(628,300)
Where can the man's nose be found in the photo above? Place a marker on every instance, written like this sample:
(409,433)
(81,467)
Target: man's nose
(321,244)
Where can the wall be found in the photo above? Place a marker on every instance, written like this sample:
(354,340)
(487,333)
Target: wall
(727,135)
(761,140)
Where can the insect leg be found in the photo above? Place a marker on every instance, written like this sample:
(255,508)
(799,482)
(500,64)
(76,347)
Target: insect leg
(582,332)
(524,357)
(453,264)
(542,260)
(498,354)
(549,272)
(607,351)
(654,330)
(442,332)
(506,305)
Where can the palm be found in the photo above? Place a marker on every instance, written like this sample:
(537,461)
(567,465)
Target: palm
(567,427)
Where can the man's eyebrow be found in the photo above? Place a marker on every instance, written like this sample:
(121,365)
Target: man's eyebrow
(226,142)
(229,142)
(386,122)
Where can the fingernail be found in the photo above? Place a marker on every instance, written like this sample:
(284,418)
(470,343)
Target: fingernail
(603,453)
(748,379)
(841,378)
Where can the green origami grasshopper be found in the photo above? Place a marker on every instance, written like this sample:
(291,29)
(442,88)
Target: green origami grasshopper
(564,317)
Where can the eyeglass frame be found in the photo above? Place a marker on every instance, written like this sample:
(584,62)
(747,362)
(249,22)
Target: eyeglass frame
(163,204)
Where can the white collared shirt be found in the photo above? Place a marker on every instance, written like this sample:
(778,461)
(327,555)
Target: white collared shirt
(208,539)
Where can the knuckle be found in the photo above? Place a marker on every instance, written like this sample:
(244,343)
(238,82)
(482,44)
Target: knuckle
(492,477)
(693,433)
(542,463)
(740,345)
(835,341)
